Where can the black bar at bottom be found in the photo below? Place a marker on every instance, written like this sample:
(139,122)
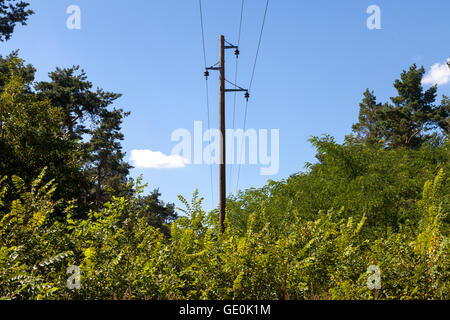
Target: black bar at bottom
(221,309)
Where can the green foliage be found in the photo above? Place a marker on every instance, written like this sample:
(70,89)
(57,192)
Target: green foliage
(12,12)
(410,120)
(379,199)
(121,256)
(106,163)
(32,248)
(156,212)
(118,253)
(70,90)
(383,185)
(368,128)
(31,139)
(12,64)
(48,129)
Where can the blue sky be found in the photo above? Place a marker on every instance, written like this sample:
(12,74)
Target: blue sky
(316,60)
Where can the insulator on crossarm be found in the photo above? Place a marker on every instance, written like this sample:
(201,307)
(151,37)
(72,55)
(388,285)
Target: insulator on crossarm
(206,74)
(247,95)
(237,52)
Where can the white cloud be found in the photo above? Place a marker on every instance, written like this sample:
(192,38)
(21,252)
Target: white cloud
(439,74)
(156,160)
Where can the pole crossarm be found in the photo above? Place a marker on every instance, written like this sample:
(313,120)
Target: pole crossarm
(213,67)
(230,46)
(235,90)
(238,89)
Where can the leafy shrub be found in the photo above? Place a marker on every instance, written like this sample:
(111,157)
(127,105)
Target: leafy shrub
(274,247)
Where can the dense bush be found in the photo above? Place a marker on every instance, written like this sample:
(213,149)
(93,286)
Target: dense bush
(378,201)
(276,245)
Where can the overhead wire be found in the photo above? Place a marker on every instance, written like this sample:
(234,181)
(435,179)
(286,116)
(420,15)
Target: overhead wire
(236,77)
(249,89)
(259,45)
(207,95)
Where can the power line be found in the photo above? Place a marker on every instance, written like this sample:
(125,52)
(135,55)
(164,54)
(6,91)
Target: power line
(209,131)
(242,144)
(250,87)
(236,74)
(203,31)
(259,45)
(207,96)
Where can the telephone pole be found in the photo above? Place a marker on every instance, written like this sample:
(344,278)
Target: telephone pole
(222,153)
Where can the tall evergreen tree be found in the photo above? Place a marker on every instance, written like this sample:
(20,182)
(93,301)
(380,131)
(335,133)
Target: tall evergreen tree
(413,113)
(444,122)
(71,91)
(445,111)
(105,156)
(410,120)
(12,12)
(367,129)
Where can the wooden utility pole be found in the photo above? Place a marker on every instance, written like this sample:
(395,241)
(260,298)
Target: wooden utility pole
(222,153)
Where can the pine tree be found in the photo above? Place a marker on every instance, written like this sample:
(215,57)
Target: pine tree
(71,91)
(411,119)
(367,129)
(106,163)
(445,111)
(414,113)
(12,13)
(444,122)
